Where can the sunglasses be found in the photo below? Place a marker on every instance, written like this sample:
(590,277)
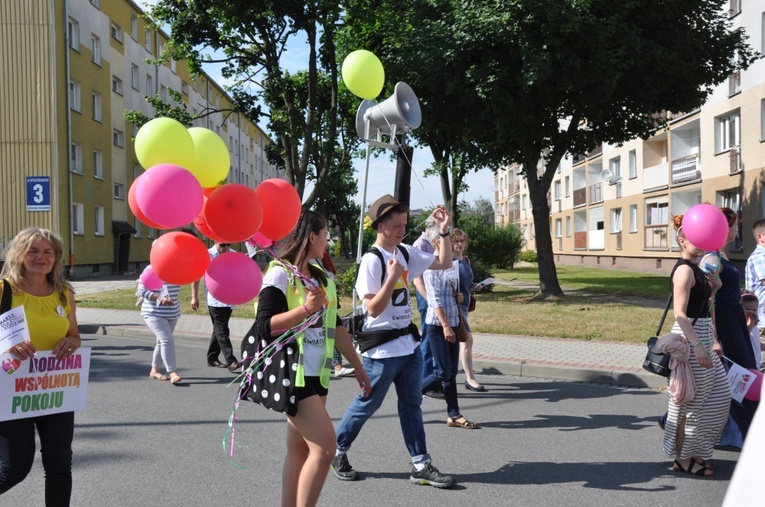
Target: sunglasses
(225,245)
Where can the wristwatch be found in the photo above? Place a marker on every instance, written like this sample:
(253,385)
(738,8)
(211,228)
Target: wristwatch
(444,234)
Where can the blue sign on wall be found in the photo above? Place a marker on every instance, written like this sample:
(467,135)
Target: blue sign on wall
(38,193)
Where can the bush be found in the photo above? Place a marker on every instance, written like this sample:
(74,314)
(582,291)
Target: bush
(528,256)
(495,247)
(344,281)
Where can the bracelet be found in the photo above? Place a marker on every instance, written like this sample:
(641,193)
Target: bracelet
(696,344)
(306,310)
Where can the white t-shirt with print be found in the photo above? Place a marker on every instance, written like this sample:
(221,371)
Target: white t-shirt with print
(398,313)
(314,348)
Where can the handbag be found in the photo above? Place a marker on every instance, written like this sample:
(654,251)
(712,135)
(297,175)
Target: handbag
(462,332)
(656,361)
(271,380)
(471,307)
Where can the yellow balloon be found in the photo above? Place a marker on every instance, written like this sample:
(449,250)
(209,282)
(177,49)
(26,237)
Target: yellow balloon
(211,158)
(164,141)
(363,74)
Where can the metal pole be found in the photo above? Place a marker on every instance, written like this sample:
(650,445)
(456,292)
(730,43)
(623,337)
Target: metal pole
(361,219)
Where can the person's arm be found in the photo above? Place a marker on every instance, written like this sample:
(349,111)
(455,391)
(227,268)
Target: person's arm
(194,298)
(683,281)
(420,286)
(72,341)
(345,346)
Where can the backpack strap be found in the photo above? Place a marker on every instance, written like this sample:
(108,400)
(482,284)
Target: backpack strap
(6,301)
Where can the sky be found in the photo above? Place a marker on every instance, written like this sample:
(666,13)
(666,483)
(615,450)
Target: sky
(425,192)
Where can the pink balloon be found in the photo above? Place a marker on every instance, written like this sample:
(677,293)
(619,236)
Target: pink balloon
(233,278)
(259,239)
(706,227)
(756,388)
(150,280)
(169,195)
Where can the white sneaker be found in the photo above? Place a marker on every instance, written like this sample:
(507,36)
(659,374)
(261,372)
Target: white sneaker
(345,372)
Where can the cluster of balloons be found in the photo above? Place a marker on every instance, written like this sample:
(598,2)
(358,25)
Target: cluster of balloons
(183,184)
(363,74)
(706,227)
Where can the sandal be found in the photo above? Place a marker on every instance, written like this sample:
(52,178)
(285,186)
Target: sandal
(701,471)
(461,422)
(157,376)
(175,378)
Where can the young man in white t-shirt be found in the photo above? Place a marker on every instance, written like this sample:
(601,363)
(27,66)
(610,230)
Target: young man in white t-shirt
(390,349)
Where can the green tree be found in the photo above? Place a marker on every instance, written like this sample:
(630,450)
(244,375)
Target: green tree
(531,80)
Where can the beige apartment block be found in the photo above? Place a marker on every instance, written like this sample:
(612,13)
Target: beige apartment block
(613,207)
(69,70)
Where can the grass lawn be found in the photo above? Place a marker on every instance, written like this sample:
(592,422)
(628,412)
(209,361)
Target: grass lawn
(600,304)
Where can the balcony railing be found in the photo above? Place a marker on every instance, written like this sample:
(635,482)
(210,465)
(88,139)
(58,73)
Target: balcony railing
(580,240)
(596,193)
(656,237)
(686,169)
(735,160)
(580,196)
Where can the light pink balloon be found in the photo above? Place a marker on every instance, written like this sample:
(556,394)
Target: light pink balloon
(169,195)
(260,240)
(706,227)
(150,280)
(233,278)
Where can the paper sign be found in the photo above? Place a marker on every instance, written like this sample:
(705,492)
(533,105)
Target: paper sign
(740,380)
(13,328)
(481,285)
(43,385)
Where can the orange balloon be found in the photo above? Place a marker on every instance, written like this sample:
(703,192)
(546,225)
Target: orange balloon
(179,258)
(208,191)
(233,212)
(281,208)
(133,203)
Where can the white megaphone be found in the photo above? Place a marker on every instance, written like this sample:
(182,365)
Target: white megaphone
(396,114)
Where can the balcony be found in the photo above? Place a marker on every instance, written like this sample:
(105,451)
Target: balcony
(686,169)
(596,193)
(580,197)
(656,237)
(580,240)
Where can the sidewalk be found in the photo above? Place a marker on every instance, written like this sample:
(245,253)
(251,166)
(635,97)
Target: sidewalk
(526,356)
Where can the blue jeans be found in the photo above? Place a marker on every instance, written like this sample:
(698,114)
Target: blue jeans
(445,357)
(405,373)
(427,355)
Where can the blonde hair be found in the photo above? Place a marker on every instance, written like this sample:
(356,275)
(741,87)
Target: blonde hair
(20,245)
(456,233)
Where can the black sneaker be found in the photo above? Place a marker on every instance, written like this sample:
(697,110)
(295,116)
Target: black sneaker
(343,470)
(430,476)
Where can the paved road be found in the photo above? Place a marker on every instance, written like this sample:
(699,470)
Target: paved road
(543,442)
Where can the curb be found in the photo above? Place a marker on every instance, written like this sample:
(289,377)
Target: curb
(494,366)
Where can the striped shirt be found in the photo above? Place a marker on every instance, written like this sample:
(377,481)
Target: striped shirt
(151,308)
(441,295)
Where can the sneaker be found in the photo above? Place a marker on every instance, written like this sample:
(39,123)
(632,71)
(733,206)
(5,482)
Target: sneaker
(345,372)
(430,476)
(343,470)
(434,394)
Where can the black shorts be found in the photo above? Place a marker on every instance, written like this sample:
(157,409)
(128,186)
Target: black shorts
(312,387)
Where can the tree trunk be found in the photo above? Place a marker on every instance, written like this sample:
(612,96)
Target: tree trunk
(540,210)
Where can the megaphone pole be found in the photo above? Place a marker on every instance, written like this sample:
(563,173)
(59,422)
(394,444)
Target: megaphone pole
(363,206)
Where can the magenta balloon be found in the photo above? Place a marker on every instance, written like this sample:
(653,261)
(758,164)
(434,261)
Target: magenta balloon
(755,390)
(169,195)
(260,240)
(233,278)
(706,227)
(150,280)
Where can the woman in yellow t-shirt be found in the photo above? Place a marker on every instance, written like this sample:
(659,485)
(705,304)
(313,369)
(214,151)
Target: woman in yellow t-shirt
(34,268)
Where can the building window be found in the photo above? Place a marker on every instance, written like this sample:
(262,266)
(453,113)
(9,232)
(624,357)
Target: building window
(149,85)
(116,85)
(95,3)
(633,164)
(558,228)
(95,47)
(97,113)
(98,164)
(732,199)
(75,97)
(118,138)
(75,154)
(99,220)
(116,32)
(119,191)
(134,76)
(727,132)
(134,27)
(173,65)
(567,186)
(136,223)
(147,43)
(73,27)
(160,48)
(616,220)
(568,227)
(615,165)
(78,218)
(163,92)
(152,233)
(185,87)
(633,218)
(556,190)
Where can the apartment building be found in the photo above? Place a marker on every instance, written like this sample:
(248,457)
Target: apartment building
(613,207)
(69,70)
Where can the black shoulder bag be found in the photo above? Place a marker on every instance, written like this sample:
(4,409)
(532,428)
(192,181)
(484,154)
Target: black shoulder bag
(656,361)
